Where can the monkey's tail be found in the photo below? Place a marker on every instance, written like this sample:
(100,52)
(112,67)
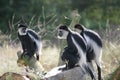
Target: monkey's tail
(90,72)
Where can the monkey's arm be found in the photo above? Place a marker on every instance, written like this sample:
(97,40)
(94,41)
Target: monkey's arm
(67,51)
(37,42)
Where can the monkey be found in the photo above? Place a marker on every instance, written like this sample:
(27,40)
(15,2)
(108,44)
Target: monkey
(75,52)
(94,46)
(30,41)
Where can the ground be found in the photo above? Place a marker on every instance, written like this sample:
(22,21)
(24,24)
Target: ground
(50,57)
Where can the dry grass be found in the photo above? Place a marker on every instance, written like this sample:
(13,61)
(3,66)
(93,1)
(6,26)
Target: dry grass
(50,56)
(8,58)
(110,59)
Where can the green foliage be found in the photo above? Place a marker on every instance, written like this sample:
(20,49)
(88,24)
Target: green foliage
(113,15)
(50,13)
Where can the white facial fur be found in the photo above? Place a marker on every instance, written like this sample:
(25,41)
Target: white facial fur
(78,30)
(20,30)
(63,34)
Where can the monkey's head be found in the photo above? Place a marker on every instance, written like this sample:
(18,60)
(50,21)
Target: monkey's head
(79,28)
(62,32)
(22,29)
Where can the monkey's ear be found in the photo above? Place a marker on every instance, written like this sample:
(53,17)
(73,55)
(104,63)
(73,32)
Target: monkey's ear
(19,53)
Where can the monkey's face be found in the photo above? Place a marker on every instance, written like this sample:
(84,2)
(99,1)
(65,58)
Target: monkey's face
(62,34)
(22,30)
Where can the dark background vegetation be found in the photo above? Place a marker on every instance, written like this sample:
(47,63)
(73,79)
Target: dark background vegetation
(47,14)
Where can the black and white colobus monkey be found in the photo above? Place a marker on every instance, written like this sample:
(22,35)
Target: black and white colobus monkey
(94,46)
(75,52)
(31,42)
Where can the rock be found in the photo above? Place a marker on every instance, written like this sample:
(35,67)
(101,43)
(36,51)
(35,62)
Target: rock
(72,74)
(30,64)
(14,76)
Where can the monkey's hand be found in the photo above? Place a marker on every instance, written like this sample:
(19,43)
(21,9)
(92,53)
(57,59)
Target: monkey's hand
(25,51)
(65,56)
(66,67)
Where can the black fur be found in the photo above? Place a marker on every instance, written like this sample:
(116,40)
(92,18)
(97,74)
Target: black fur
(72,58)
(89,33)
(22,25)
(64,27)
(71,54)
(29,45)
(90,50)
(93,37)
